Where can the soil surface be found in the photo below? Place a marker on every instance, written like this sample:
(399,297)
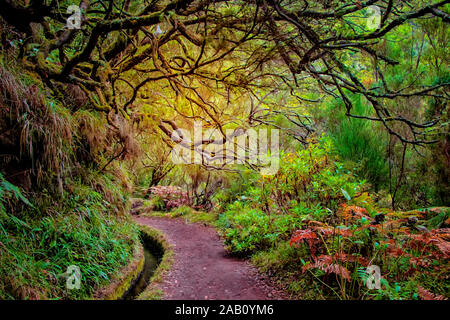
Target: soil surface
(203,270)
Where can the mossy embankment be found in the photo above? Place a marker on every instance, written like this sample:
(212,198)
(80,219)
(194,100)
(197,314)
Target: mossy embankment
(63,200)
(156,241)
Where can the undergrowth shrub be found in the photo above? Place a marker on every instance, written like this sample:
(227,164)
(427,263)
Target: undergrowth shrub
(248,229)
(317,207)
(157,203)
(308,185)
(181,211)
(342,252)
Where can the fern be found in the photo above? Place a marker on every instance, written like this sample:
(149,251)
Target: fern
(424,294)
(325,263)
(8,188)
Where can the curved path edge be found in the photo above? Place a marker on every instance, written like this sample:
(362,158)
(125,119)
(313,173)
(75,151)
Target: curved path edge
(202,269)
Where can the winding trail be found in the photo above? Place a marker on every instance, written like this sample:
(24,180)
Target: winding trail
(203,270)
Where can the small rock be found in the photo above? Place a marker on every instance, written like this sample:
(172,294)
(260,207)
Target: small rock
(422,229)
(412,220)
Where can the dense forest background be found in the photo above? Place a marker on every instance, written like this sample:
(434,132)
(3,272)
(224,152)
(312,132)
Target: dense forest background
(90,97)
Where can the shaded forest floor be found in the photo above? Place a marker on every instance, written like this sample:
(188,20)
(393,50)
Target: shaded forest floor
(204,270)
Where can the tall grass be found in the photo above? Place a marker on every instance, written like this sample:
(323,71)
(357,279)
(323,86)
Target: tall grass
(71,212)
(35,253)
(36,130)
(359,141)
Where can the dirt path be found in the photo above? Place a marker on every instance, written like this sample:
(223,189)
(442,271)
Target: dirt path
(202,268)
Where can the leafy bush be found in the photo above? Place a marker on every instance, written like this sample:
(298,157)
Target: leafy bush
(308,178)
(181,211)
(249,229)
(308,182)
(338,231)
(157,203)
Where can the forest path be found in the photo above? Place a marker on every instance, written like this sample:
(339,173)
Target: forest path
(203,270)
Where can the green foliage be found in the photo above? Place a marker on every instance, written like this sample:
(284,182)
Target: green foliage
(181,211)
(7,190)
(439,219)
(236,185)
(248,229)
(312,177)
(37,252)
(336,231)
(361,143)
(158,203)
(309,185)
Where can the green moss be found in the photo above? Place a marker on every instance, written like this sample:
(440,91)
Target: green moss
(158,204)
